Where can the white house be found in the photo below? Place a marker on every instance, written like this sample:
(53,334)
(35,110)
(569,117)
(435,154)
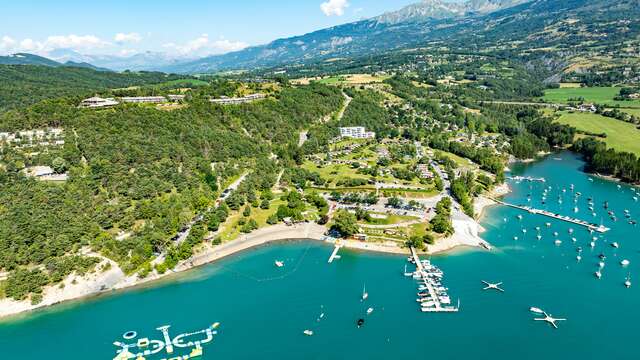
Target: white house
(97,102)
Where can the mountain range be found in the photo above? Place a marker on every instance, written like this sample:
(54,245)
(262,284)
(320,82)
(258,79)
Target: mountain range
(505,27)
(31,59)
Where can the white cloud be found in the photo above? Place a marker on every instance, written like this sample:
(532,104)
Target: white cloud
(334,7)
(127,38)
(202,46)
(75,42)
(43,47)
(7,44)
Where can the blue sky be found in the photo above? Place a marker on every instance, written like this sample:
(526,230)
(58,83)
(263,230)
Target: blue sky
(180,27)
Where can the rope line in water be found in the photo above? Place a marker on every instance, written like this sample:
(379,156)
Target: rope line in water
(280,277)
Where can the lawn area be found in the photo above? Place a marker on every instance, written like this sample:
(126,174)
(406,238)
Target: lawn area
(334,172)
(599,95)
(621,136)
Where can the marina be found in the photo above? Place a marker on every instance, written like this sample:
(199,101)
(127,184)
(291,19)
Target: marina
(429,277)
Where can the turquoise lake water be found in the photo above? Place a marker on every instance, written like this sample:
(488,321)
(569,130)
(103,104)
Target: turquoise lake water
(263,310)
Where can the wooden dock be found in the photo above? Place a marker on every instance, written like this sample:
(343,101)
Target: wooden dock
(588,225)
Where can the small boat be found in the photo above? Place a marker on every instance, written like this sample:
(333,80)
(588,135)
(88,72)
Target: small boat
(624,262)
(536,310)
(215,325)
(593,244)
(279,263)
(571,231)
(598,274)
(520,217)
(369,311)
(555,233)
(578,257)
(539,237)
(515,238)
(558,242)
(360,322)
(574,239)
(308,332)
(601,264)
(365,294)
(407,274)
(627,282)
(615,245)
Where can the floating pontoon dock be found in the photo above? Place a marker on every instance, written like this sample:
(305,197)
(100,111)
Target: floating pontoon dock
(590,226)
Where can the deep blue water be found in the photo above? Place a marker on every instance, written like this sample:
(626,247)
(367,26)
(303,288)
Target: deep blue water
(263,310)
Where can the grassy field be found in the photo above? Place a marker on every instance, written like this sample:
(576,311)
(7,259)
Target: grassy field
(599,95)
(635,112)
(620,135)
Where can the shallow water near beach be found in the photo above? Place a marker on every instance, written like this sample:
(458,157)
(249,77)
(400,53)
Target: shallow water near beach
(263,310)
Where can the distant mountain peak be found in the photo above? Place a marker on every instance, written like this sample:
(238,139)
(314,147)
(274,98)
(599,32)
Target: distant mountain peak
(443,9)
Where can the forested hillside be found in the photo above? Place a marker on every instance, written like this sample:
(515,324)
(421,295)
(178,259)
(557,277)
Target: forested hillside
(24,85)
(133,170)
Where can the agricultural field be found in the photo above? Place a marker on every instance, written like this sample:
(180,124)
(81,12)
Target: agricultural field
(599,95)
(621,136)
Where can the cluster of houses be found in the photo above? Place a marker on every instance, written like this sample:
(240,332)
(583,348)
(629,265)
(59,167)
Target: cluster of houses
(98,102)
(32,138)
(223,100)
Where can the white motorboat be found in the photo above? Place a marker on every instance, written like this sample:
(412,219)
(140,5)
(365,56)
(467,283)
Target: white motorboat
(627,282)
(365,294)
(615,245)
(558,242)
(279,263)
(308,332)
(598,274)
(625,262)
(579,258)
(369,311)
(536,310)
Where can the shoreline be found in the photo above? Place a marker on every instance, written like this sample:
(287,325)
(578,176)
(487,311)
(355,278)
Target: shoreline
(100,283)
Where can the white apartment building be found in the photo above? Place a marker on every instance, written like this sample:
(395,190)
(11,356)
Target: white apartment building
(145,99)
(356,132)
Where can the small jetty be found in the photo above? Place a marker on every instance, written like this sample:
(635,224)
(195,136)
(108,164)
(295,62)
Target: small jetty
(334,254)
(527,178)
(432,296)
(590,226)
